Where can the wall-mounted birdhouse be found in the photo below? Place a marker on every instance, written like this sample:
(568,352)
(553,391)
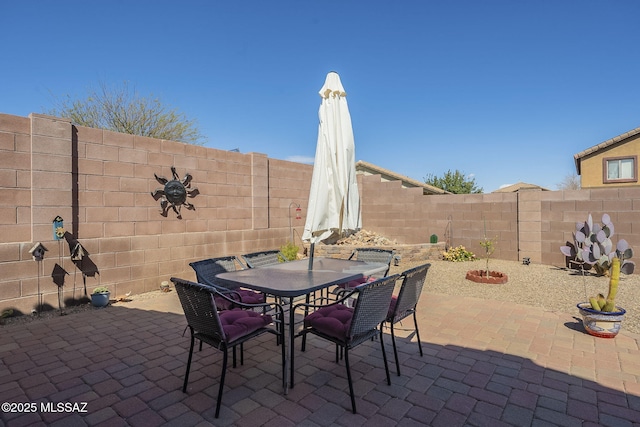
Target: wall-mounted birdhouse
(78,252)
(37,251)
(58,228)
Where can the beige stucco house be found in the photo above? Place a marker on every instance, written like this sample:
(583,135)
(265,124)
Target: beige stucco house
(612,163)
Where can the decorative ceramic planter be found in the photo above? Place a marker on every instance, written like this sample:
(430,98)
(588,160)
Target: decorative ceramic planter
(601,323)
(480,276)
(101,299)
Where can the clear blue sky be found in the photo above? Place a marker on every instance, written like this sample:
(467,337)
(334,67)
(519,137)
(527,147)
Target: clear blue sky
(504,91)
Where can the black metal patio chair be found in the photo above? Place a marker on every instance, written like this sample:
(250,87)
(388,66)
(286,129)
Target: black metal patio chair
(263,258)
(225,329)
(383,256)
(349,327)
(206,271)
(404,304)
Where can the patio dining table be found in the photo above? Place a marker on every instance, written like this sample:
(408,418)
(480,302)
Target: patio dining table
(294,279)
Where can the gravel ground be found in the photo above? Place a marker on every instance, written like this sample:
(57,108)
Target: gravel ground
(553,288)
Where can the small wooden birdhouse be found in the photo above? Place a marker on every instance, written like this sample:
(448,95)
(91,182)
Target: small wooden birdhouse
(78,252)
(37,251)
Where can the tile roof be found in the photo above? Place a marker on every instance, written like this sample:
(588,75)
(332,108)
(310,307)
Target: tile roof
(609,142)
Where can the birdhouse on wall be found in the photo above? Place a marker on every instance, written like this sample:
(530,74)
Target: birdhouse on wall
(37,251)
(58,228)
(78,252)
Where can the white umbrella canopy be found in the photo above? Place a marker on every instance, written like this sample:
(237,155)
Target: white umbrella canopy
(334,201)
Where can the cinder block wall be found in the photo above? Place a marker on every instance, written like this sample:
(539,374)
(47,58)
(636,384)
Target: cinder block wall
(410,217)
(100,183)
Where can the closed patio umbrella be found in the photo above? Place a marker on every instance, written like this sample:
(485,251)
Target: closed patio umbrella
(334,201)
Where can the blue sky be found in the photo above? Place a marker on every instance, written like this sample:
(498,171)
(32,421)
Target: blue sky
(504,91)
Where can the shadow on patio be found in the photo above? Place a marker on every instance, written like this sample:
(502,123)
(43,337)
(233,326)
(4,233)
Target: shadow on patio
(508,365)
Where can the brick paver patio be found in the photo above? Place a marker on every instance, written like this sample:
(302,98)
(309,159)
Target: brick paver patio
(485,364)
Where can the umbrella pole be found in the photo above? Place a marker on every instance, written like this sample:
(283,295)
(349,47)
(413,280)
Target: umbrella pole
(311,249)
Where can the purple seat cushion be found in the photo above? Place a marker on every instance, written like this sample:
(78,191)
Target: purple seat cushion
(357,282)
(392,307)
(333,320)
(246,296)
(237,322)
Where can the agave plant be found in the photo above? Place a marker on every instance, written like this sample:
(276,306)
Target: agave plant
(593,246)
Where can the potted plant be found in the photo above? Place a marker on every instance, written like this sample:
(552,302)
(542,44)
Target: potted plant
(100,296)
(593,246)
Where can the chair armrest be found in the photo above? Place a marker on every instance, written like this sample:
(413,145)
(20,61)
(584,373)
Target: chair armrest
(338,301)
(273,305)
(205,281)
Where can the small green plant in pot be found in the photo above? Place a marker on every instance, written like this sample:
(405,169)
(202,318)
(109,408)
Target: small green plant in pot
(593,246)
(100,296)
(290,252)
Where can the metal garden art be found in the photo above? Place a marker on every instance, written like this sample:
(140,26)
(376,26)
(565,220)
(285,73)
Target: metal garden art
(175,192)
(593,246)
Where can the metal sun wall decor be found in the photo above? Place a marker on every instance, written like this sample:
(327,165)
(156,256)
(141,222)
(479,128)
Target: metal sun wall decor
(175,192)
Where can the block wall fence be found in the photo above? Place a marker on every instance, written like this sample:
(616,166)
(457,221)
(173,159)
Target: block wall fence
(100,183)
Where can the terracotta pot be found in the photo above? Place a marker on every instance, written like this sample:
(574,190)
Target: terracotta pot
(480,276)
(601,323)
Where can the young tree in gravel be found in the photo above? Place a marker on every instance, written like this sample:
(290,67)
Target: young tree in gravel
(122,109)
(454,182)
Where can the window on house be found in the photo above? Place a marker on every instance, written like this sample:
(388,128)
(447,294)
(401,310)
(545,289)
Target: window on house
(620,169)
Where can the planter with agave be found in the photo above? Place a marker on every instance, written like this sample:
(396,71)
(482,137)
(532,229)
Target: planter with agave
(594,248)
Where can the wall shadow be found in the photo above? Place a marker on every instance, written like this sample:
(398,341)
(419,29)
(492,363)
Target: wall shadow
(117,354)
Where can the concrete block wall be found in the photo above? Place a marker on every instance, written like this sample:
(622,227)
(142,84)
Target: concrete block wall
(411,218)
(560,210)
(100,183)
(532,224)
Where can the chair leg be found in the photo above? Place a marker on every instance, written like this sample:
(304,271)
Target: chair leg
(415,321)
(186,375)
(292,353)
(224,371)
(395,350)
(241,353)
(346,362)
(284,360)
(234,356)
(384,357)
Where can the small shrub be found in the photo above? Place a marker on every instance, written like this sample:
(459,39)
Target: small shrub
(290,251)
(458,254)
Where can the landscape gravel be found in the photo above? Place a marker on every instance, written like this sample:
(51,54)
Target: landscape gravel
(553,288)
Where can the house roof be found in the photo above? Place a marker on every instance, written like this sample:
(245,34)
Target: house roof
(609,142)
(366,168)
(520,186)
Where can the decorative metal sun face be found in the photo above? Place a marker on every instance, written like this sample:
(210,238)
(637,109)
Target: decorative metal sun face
(174,194)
